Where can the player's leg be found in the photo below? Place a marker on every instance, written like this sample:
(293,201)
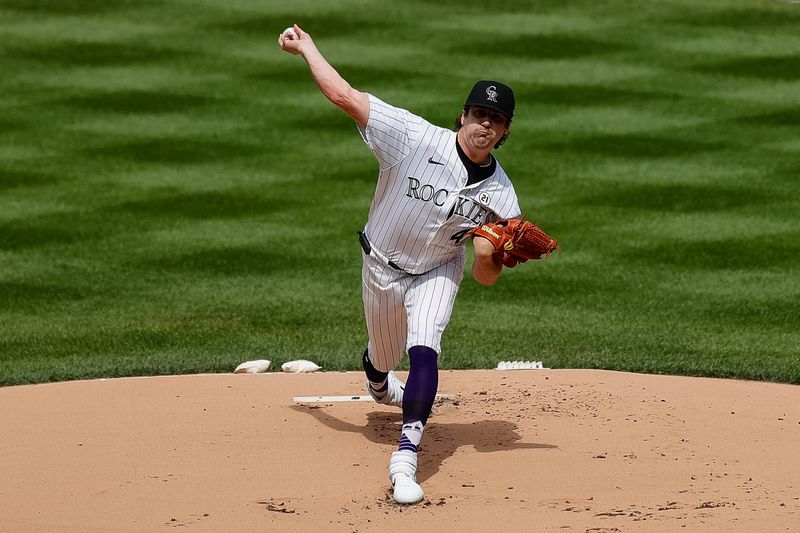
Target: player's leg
(429,304)
(421,386)
(384,387)
(384,311)
(420,392)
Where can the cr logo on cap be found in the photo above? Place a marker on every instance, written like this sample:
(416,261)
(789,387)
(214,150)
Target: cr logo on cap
(491,90)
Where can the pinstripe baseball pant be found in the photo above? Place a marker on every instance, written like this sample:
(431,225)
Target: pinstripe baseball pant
(404,310)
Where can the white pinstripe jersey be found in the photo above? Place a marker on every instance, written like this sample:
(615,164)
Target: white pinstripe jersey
(423,207)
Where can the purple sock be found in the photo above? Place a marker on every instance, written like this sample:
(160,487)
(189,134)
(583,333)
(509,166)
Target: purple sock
(419,394)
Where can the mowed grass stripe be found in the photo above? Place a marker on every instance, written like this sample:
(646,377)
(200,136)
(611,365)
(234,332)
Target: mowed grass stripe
(71,7)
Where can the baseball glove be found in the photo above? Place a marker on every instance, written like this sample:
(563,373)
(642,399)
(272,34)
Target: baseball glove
(516,240)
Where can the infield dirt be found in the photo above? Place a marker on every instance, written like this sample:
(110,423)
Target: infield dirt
(541,450)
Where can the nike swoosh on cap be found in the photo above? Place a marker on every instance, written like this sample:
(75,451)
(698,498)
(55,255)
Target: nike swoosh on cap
(432,162)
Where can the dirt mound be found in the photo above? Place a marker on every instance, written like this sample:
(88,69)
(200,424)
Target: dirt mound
(536,450)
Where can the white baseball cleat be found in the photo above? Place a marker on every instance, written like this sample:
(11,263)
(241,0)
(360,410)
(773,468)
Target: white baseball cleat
(393,395)
(403,474)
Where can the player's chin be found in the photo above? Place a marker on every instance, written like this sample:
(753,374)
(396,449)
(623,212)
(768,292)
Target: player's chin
(481,142)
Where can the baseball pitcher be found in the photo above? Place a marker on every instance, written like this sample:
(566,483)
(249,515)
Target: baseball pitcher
(436,188)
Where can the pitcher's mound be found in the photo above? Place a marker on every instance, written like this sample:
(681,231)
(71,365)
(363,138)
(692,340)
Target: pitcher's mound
(537,450)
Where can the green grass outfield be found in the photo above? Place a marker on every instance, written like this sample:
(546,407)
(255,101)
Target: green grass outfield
(176,196)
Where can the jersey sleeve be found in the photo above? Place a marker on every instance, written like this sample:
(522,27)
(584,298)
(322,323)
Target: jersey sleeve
(510,209)
(390,133)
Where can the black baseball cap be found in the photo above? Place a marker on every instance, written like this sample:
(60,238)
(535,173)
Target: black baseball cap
(494,95)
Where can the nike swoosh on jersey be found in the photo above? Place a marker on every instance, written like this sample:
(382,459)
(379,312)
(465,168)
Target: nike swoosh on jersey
(432,162)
